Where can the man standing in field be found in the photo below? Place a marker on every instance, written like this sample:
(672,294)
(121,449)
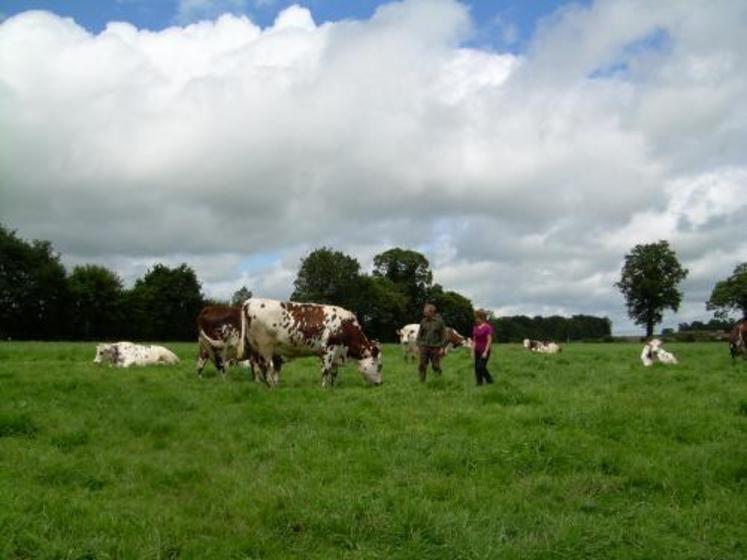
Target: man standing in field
(431,341)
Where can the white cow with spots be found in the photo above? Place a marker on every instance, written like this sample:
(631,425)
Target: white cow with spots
(126,354)
(279,329)
(653,350)
(542,347)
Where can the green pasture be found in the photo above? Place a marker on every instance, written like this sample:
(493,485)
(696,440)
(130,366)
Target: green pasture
(585,454)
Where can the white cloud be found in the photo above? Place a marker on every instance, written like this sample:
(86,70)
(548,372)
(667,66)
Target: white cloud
(525,178)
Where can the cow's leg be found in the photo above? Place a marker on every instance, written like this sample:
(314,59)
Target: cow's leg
(333,357)
(267,370)
(220,363)
(261,370)
(201,361)
(329,369)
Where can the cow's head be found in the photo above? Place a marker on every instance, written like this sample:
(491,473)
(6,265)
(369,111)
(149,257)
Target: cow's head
(404,335)
(106,353)
(370,364)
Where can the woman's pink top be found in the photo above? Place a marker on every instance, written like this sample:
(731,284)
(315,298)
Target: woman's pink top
(480,335)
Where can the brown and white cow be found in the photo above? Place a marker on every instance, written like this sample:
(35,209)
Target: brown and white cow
(219,337)
(219,340)
(408,340)
(542,347)
(738,340)
(292,330)
(456,340)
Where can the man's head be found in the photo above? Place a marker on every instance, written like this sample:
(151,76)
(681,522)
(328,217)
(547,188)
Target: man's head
(429,310)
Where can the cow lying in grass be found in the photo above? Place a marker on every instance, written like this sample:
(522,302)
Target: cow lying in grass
(126,354)
(542,347)
(653,351)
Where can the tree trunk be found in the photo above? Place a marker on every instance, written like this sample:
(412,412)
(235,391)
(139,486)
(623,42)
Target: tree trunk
(649,329)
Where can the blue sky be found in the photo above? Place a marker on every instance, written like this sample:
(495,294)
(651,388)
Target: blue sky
(501,24)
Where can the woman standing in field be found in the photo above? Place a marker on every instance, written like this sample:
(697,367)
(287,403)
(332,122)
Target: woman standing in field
(482,338)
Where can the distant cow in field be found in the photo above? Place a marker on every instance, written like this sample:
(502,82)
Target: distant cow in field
(408,340)
(126,354)
(542,347)
(738,340)
(292,330)
(653,350)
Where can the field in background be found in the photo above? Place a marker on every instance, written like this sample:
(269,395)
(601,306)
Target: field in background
(581,455)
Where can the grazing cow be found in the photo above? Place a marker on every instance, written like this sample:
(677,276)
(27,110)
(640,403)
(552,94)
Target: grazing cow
(408,340)
(219,340)
(290,330)
(652,351)
(738,340)
(542,347)
(126,354)
(219,337)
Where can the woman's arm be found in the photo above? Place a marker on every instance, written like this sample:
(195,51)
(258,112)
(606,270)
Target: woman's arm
(487,346)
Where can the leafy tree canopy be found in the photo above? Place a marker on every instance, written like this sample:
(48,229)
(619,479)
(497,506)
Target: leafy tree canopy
(96,296)
(649,281)
(33,289)
(730,295)
(327,276)
(240,296)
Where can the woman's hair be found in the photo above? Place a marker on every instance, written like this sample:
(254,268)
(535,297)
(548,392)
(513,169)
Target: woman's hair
(481,314)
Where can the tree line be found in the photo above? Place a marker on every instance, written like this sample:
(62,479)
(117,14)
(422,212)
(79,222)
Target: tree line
(561,329)
(40,300)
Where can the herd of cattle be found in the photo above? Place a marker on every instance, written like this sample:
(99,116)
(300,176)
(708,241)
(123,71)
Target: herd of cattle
(264,333)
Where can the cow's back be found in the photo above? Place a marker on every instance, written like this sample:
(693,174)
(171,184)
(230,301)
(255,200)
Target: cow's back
(213,318)
(291,329)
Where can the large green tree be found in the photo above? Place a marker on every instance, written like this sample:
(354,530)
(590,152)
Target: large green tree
(730,295)
(455,309)
(327,276)
(96,303)
(410,271)
(379,306)
(33,289)
(240,296)
(649,281)
(164,304)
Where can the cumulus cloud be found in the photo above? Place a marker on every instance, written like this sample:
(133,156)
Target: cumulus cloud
(524,177)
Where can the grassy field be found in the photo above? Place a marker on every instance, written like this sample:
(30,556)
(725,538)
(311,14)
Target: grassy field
(581,455)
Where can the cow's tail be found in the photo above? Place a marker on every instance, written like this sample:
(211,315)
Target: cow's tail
(211,341)
(242,340)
